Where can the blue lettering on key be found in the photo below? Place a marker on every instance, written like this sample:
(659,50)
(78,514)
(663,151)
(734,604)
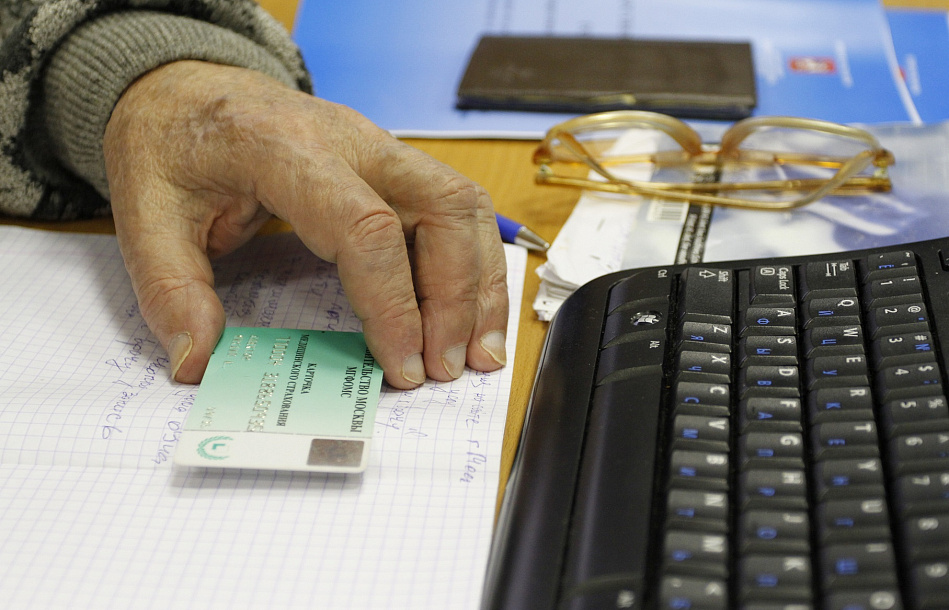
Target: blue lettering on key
(840,480)
(847,565)
(832,405)
(766,491)
(763,351)
(767,580)
(690,433)
(764,321)
(763,452)
(767,533)
(687,471)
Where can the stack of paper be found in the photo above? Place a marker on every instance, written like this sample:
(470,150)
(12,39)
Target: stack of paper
(94,515)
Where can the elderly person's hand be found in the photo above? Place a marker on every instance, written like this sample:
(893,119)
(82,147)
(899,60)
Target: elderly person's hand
(200,155)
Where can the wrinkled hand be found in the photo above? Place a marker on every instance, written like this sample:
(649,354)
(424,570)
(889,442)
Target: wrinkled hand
(200,155)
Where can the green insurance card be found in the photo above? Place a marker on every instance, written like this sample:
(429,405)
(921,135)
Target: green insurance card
(284,399)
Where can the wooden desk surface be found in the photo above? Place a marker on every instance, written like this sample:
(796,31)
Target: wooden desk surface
(504,168)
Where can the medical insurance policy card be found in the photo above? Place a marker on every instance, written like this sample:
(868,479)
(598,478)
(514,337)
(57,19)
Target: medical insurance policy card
(285,400)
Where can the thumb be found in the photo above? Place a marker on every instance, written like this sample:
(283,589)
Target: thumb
(173,283)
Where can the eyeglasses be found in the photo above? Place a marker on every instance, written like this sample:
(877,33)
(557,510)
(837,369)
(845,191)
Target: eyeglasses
(774,163)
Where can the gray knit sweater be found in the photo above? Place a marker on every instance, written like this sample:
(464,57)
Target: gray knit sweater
(64,64)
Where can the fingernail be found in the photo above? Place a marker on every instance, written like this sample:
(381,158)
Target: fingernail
(178,350)
(413,369)
(493,343)
(454,360)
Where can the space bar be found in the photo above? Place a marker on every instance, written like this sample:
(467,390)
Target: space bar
(608,546)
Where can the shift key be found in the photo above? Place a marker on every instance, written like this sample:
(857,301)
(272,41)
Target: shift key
(707,295)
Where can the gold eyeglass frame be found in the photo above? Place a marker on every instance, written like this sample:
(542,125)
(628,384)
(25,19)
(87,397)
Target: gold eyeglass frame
(696,154)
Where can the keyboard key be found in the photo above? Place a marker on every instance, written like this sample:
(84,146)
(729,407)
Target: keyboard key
(767,350)
(704,366)
(846,370)
(701,393)
(775,577)
(871,599)
(902,318)
(929,582)
(699,464)
(634,358)
(694,506)
(892,291)
(762,380)
(926,537)
(774,532)
(646,322)
(890,260)
(864,518)
(911,453)
(921,492)
(897,381)
(833,311)
(689,428)
(820,338)
(854,566)
(687,553)
(626,593)
(915,415)
(769,321)
(906,348)
(640,285)
(830,279)
(772,285)
(769,489)
(853,403)
(707,295)
(771,450)
(694,333)
(677,593)
(769,414)
(845,440)
(848,478)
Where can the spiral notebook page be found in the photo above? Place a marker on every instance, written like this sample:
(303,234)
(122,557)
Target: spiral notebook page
(93,514)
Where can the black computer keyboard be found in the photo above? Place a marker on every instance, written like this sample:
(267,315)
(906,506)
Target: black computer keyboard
(767,434)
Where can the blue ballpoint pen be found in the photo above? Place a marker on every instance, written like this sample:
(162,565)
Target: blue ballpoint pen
(513,232)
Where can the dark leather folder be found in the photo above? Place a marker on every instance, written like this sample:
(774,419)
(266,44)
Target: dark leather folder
(691,79)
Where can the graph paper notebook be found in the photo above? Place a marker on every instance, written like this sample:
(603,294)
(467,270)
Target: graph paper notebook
(93,514)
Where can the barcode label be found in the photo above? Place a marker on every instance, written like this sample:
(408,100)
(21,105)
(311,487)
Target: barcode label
(667,211)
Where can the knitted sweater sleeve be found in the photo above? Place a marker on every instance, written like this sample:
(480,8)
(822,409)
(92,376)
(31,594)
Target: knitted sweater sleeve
(64,64)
